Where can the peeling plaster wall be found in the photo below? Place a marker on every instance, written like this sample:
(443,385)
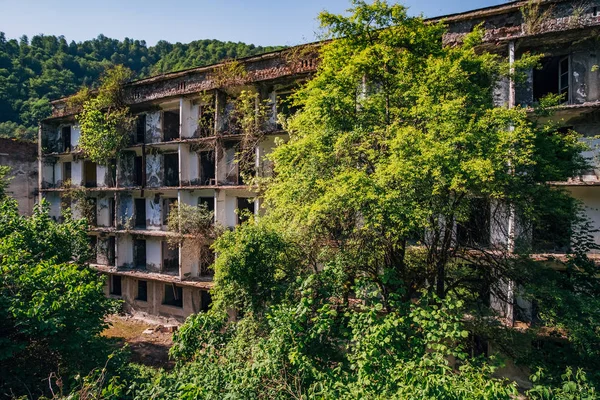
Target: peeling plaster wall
(227,168)
(75,135)
(54,200)
(125,210)
(104,251)
(190,114)
(125,170)
(103,210)
(153,254)
(190,256)
(154,213)
(49,178)
(585,83)
(154,133)
(154,170)
(591,203)
(125,251)
(77,173)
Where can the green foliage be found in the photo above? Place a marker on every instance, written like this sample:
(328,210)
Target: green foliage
(51,305)
(105,120)
(33,72)
(4,180)
(574,386)
(256,264)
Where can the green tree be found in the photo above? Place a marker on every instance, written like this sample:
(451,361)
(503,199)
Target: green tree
(52,306)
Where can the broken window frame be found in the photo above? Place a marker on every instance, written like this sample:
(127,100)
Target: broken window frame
(176,298)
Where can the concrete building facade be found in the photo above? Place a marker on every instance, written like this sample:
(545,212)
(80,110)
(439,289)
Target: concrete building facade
(21,157)
(184,146)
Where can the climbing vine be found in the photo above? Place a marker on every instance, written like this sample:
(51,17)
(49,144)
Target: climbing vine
(105,119)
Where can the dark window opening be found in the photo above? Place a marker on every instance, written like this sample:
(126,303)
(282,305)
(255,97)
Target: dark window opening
(140,131)
(205,300)
(168,205)
(207,168)
(138,171)
(552,78)
(111,175)
(94,249)
(111,212)
(171,125)
(246,174)
(90,174)
(66,138)
(140,213)
(476,230)
(115,285)
(142,291)
(206,261)
(92,211)
(552,234)
(206,120)
(173,295)
(209,202)
(170,258)
(139,253)
(477,346)
(110,250)
(171,169)
(285,106)
(67,173)
(245,207)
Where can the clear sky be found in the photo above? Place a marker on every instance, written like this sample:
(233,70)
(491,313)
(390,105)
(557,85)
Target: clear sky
(261,22)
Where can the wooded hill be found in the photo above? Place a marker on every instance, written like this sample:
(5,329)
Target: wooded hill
(37,70)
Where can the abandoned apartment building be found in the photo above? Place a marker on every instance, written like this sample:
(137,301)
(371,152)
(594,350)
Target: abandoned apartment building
(183,148)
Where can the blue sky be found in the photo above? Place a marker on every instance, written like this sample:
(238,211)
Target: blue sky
(262,22)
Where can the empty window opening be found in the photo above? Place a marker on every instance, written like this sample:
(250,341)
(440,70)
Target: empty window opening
(171,125)
(142,291)
(110,250)
(207,259)
(140,131)
(285,106)
(67,173)
(138,171)
(208,202)
(90,177)
(245,209)
(205,300)
(171,169)
(206,119)
(173,295)
(207,168)
(92,211)
(246,174)
(140,213)
(66,138)
(552,78)
(475,231)
(111,173)
(139,253)
(170,258)
(111,212)
(115,285)
(168,205)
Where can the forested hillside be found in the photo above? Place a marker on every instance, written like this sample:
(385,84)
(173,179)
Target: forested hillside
(37,70)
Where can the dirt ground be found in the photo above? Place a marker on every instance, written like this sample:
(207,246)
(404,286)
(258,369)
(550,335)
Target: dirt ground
(149,342)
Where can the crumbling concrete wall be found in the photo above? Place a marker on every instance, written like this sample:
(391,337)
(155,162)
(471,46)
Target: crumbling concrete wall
(154,128)
(154,170)
(21,157)
(153,254)
(125,251)
(154,212)
(125,170)
(125,218)
(190,258)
